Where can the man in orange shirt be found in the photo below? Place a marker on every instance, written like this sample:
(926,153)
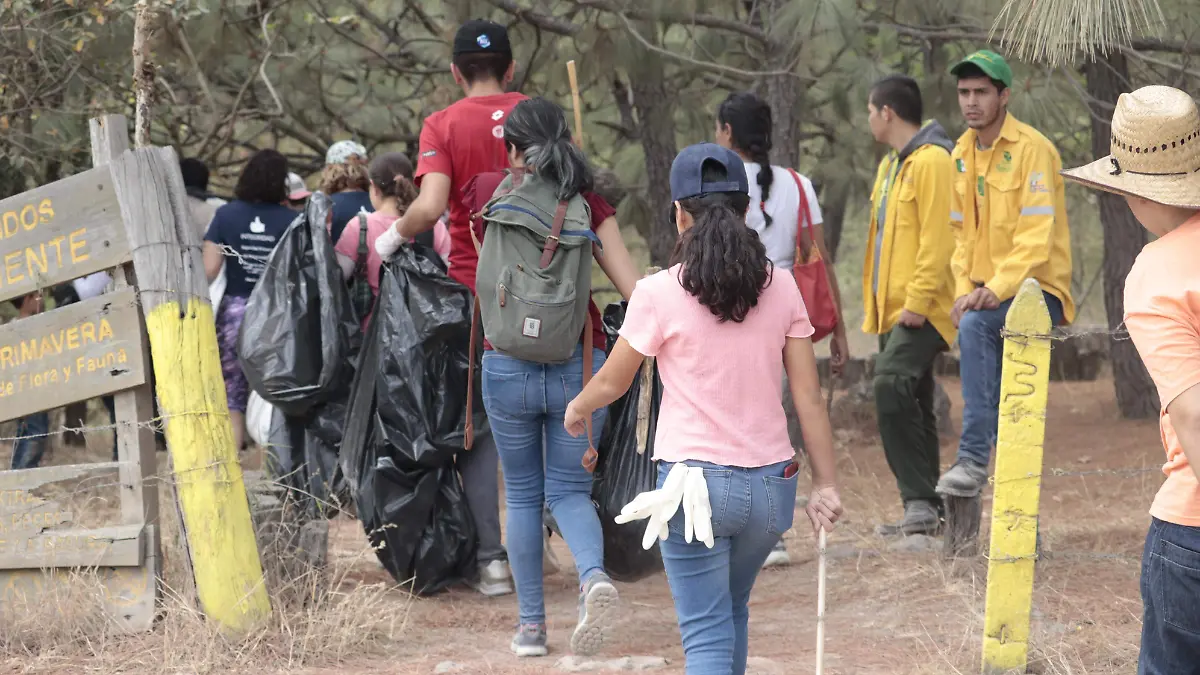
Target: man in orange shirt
(1155,164)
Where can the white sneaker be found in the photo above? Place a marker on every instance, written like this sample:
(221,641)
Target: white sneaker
(778,557)
(495,579)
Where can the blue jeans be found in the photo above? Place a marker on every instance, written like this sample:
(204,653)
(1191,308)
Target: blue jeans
(31,440)
(751,509)
(1170,597)
(981,356)
(526,403)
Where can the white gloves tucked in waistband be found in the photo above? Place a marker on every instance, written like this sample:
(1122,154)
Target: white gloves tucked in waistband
(685,486)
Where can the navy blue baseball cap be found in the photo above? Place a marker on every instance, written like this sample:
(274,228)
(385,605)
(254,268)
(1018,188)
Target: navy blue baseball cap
(686,172)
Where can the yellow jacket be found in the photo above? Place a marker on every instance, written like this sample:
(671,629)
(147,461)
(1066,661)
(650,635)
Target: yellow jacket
(912,263)
(1023,233)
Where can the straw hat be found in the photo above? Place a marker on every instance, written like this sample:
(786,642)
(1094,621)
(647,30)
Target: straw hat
(1155,149)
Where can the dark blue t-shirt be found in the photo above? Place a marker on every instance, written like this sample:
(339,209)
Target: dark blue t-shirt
(346,205)
(251,230)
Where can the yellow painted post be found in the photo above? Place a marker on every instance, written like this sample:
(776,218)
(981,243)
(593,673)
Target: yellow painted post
(180,323)
(1023,393)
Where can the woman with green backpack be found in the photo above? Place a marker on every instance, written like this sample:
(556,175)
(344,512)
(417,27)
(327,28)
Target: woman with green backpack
(543,340)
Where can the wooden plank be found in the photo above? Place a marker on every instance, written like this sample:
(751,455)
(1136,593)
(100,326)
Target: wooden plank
(116,546)
(128,594)
(70,354)
(28,479)
(133,409)
(1024,388)
(59,232)
(180,321)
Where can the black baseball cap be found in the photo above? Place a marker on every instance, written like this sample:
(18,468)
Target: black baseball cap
(687,172)
(482,36)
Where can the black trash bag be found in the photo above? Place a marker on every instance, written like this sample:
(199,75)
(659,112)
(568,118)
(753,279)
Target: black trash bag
(421,378)
(622,473)
(406,421)
(299,337)
(327,486)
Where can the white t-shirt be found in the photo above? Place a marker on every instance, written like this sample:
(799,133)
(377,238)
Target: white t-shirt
(784,207)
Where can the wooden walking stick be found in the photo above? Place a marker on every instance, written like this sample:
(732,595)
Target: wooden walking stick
(821,602)
(576,101)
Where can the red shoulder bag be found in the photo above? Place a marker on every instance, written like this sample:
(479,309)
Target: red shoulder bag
(809,271)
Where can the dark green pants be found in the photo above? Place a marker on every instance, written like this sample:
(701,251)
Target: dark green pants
(904,407)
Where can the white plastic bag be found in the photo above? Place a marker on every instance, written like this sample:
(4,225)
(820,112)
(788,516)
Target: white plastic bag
(216,290)
(259,415)
(92,285)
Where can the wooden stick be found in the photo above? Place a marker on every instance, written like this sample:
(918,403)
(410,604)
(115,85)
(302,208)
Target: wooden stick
(821,603)
(646,395)
(577,102)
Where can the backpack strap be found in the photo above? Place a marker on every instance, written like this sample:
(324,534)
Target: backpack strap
(472,350)
(360,264)
(560,215)
(591,456)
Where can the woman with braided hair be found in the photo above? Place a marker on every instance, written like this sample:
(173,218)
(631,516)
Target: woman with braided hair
(744,125)
(392,191)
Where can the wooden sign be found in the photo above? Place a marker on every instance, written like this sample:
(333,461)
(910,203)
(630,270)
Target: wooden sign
(81,351)
(55,533)
(59,232)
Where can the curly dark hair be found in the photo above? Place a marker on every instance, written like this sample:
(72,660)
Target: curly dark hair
(749,120)
(724,264)
(264,179)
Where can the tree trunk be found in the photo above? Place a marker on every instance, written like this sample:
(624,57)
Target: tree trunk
(1123,240)
(834,198)
(655,109)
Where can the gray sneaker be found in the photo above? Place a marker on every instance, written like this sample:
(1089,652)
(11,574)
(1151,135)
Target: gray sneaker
(597,605)
(530,640)
(494,579)
(778,557)
(920,517)
(964,479)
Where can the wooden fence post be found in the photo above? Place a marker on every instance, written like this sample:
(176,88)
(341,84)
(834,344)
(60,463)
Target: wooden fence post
(180,321)
(1018,479)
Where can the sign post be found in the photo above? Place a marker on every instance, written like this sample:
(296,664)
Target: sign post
(128,209)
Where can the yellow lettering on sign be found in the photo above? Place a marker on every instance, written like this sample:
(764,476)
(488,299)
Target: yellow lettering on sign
(29,351)
(78,256)
(9,267)
(89,332)
(29,217)
(6,357)
(73,337)
(11,223)
(46,211)
(106,331)
(57,244)
(31,259)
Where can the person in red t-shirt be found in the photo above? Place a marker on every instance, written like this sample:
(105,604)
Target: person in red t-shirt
(460,142)
(457,143)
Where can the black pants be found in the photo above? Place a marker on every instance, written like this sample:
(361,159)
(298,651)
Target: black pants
(904,407)
(1171,600)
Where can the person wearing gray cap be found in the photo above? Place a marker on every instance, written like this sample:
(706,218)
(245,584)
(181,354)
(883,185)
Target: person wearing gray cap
(724,325)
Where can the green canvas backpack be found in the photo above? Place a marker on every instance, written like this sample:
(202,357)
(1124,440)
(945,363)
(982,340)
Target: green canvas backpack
(534,279)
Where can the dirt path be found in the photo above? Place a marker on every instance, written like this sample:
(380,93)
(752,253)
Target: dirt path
(889,611)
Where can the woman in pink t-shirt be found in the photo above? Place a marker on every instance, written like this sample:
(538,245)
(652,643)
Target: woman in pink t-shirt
(391,192)
(724,328)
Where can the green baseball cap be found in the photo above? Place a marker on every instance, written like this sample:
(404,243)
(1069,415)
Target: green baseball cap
(992,64)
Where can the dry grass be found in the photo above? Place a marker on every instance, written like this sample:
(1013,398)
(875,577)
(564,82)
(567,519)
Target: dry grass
(889,612)
(321,619)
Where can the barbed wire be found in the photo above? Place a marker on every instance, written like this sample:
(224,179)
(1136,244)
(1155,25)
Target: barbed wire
(1062,334)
